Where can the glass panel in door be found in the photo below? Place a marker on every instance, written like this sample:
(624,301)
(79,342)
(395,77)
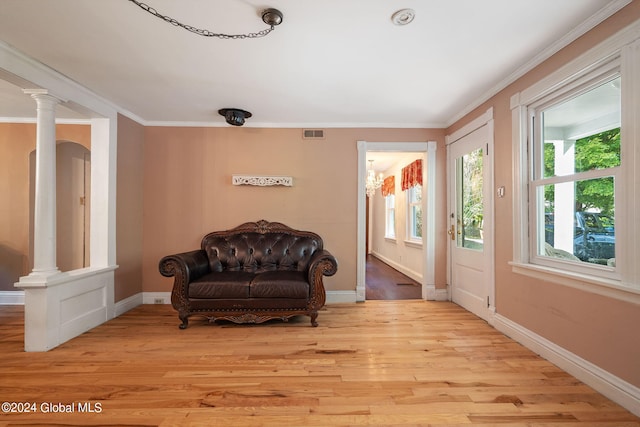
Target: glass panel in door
(470,202)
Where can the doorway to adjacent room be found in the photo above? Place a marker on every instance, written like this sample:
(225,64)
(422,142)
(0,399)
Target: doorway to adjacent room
(426,151)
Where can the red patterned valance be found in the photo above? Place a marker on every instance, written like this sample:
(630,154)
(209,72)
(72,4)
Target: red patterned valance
(389,186)
(412,175)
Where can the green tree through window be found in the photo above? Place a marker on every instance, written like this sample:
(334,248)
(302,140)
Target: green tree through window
(599,151)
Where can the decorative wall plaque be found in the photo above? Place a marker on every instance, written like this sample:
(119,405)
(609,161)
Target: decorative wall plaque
(262,181)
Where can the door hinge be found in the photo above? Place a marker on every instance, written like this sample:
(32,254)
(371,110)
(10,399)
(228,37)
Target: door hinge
(488,305)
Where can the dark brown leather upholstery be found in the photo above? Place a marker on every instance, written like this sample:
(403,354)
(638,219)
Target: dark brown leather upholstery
(252,273)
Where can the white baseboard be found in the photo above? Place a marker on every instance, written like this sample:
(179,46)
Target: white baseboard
(156,297)
(333,297)
(430,292)
(341,297)
(613,387)
(127,304)
(437,294)
(11,297)
(122,306)
(443,294)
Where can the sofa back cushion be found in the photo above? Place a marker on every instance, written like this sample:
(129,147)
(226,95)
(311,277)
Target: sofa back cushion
(258,252)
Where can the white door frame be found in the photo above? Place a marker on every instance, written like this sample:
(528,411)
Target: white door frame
(482,120)
(428,206)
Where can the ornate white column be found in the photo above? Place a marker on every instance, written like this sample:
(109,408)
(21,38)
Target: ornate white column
(44,233)
(61,305)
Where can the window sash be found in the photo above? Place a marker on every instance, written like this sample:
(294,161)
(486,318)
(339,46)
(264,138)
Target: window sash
(537,181)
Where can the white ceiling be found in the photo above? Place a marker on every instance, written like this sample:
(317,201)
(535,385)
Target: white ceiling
(331,63)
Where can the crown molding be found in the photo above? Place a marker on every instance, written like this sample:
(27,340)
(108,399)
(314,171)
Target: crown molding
(597,18)
(321,125)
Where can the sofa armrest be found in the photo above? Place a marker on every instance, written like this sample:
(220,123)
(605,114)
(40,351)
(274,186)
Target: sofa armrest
(185,267)
(322,263)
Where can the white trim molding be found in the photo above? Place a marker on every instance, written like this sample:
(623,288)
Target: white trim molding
(429,150)
(156,297)
(333,297)
(11,297)
(611,386)
(341,297)
(474,124)
(415,275)
(127,304)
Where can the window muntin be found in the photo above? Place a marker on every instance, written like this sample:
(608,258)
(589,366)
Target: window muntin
(414,223)
(576,162)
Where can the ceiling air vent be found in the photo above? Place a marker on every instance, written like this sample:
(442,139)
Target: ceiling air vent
(313,134)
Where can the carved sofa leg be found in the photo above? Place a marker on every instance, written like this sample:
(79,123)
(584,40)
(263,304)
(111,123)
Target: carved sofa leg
(314,316)
(185,322)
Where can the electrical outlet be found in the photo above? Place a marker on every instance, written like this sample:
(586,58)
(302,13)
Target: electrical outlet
(158,301)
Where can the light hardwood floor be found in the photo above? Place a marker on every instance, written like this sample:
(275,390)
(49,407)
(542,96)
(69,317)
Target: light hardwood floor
(377,363)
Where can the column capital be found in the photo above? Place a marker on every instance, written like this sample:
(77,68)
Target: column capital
(42,95)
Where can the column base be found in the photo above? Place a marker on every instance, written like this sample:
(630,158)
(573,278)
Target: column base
(37,279)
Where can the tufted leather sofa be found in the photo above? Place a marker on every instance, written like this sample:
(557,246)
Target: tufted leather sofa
(250,274)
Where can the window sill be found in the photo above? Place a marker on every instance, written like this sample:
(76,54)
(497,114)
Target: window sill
(413,244)
(390,239)
(606,287)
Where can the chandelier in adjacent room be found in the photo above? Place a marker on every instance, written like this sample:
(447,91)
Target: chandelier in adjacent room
(373,182)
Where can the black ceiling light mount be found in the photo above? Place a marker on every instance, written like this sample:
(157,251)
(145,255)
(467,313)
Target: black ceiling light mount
(234,116)
(271,17)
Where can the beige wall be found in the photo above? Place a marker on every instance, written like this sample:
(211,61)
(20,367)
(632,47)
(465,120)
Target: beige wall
(598,329)
(17,141)
(129,209)
(188,190)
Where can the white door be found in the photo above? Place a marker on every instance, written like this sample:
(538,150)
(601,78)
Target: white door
(470,221)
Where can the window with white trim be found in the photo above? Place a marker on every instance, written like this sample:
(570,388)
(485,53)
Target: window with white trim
(414,213)
(390,216)
(575,156)
(575,167)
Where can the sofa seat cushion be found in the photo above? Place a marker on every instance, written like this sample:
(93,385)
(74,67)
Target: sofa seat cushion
(222,285)
(279,284)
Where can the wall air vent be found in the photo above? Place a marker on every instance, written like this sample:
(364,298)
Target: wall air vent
(313,134)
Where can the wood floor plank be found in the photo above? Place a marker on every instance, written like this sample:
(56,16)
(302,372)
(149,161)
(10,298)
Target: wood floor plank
(404,363)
